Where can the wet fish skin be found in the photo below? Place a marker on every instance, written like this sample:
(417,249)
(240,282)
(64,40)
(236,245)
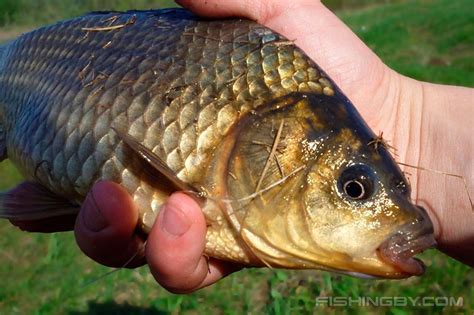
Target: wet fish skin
(206,97)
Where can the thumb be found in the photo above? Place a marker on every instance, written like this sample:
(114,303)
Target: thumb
(175,245)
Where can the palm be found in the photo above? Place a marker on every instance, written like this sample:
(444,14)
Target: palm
(361,75)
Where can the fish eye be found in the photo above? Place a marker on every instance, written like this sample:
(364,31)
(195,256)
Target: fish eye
(357,182)
(354,189)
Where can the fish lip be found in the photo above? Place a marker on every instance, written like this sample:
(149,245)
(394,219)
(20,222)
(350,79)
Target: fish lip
(398,250)
(400,254)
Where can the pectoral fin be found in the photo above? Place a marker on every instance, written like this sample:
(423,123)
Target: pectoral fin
(155,162)
(32,201)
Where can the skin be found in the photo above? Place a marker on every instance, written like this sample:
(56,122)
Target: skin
(429,125)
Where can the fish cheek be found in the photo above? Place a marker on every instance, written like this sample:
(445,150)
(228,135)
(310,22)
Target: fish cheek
(262,150)
(327,219)
(257,177)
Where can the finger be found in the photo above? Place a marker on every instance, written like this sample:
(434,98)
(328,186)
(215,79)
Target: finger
(221,9)
(316,30)
(217,269)
(175,248)
(105,227)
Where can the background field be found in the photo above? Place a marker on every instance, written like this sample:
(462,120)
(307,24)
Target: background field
(46,274)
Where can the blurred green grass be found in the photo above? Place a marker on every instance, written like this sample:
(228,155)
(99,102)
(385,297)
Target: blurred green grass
(46,274)
(38,12)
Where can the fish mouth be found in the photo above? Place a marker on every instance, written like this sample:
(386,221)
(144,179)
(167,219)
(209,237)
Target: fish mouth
(413,238)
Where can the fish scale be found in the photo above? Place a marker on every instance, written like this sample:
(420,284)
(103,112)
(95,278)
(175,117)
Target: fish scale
(157,99)
(67,59)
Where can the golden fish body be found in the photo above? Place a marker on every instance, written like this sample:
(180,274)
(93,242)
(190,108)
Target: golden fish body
(234,111)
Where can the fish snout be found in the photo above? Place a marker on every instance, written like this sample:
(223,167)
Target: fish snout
(409,240)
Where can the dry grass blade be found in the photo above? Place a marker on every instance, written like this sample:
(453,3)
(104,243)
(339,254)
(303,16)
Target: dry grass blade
(111,19)
(270,156)
(110,27)
(446,174)
(260,143)
(88,283)
(255,194)
(251,196)
(107,45)
(279,166)
(104,28)
(379,141)
(281,43)
(82,73)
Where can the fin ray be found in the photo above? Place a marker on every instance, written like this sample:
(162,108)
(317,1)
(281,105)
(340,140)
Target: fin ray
(32,201)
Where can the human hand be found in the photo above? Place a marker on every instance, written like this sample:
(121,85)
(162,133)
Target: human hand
(105,230)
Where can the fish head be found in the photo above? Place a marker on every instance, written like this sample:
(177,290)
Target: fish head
(332,198)
(358,207)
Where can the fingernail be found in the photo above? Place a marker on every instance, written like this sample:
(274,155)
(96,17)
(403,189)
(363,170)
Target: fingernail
(93,219)
(174,221)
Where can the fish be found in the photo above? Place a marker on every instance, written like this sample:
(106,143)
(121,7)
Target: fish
(287,172)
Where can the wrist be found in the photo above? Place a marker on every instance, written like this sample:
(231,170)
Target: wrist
(432,129)
(448,147)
